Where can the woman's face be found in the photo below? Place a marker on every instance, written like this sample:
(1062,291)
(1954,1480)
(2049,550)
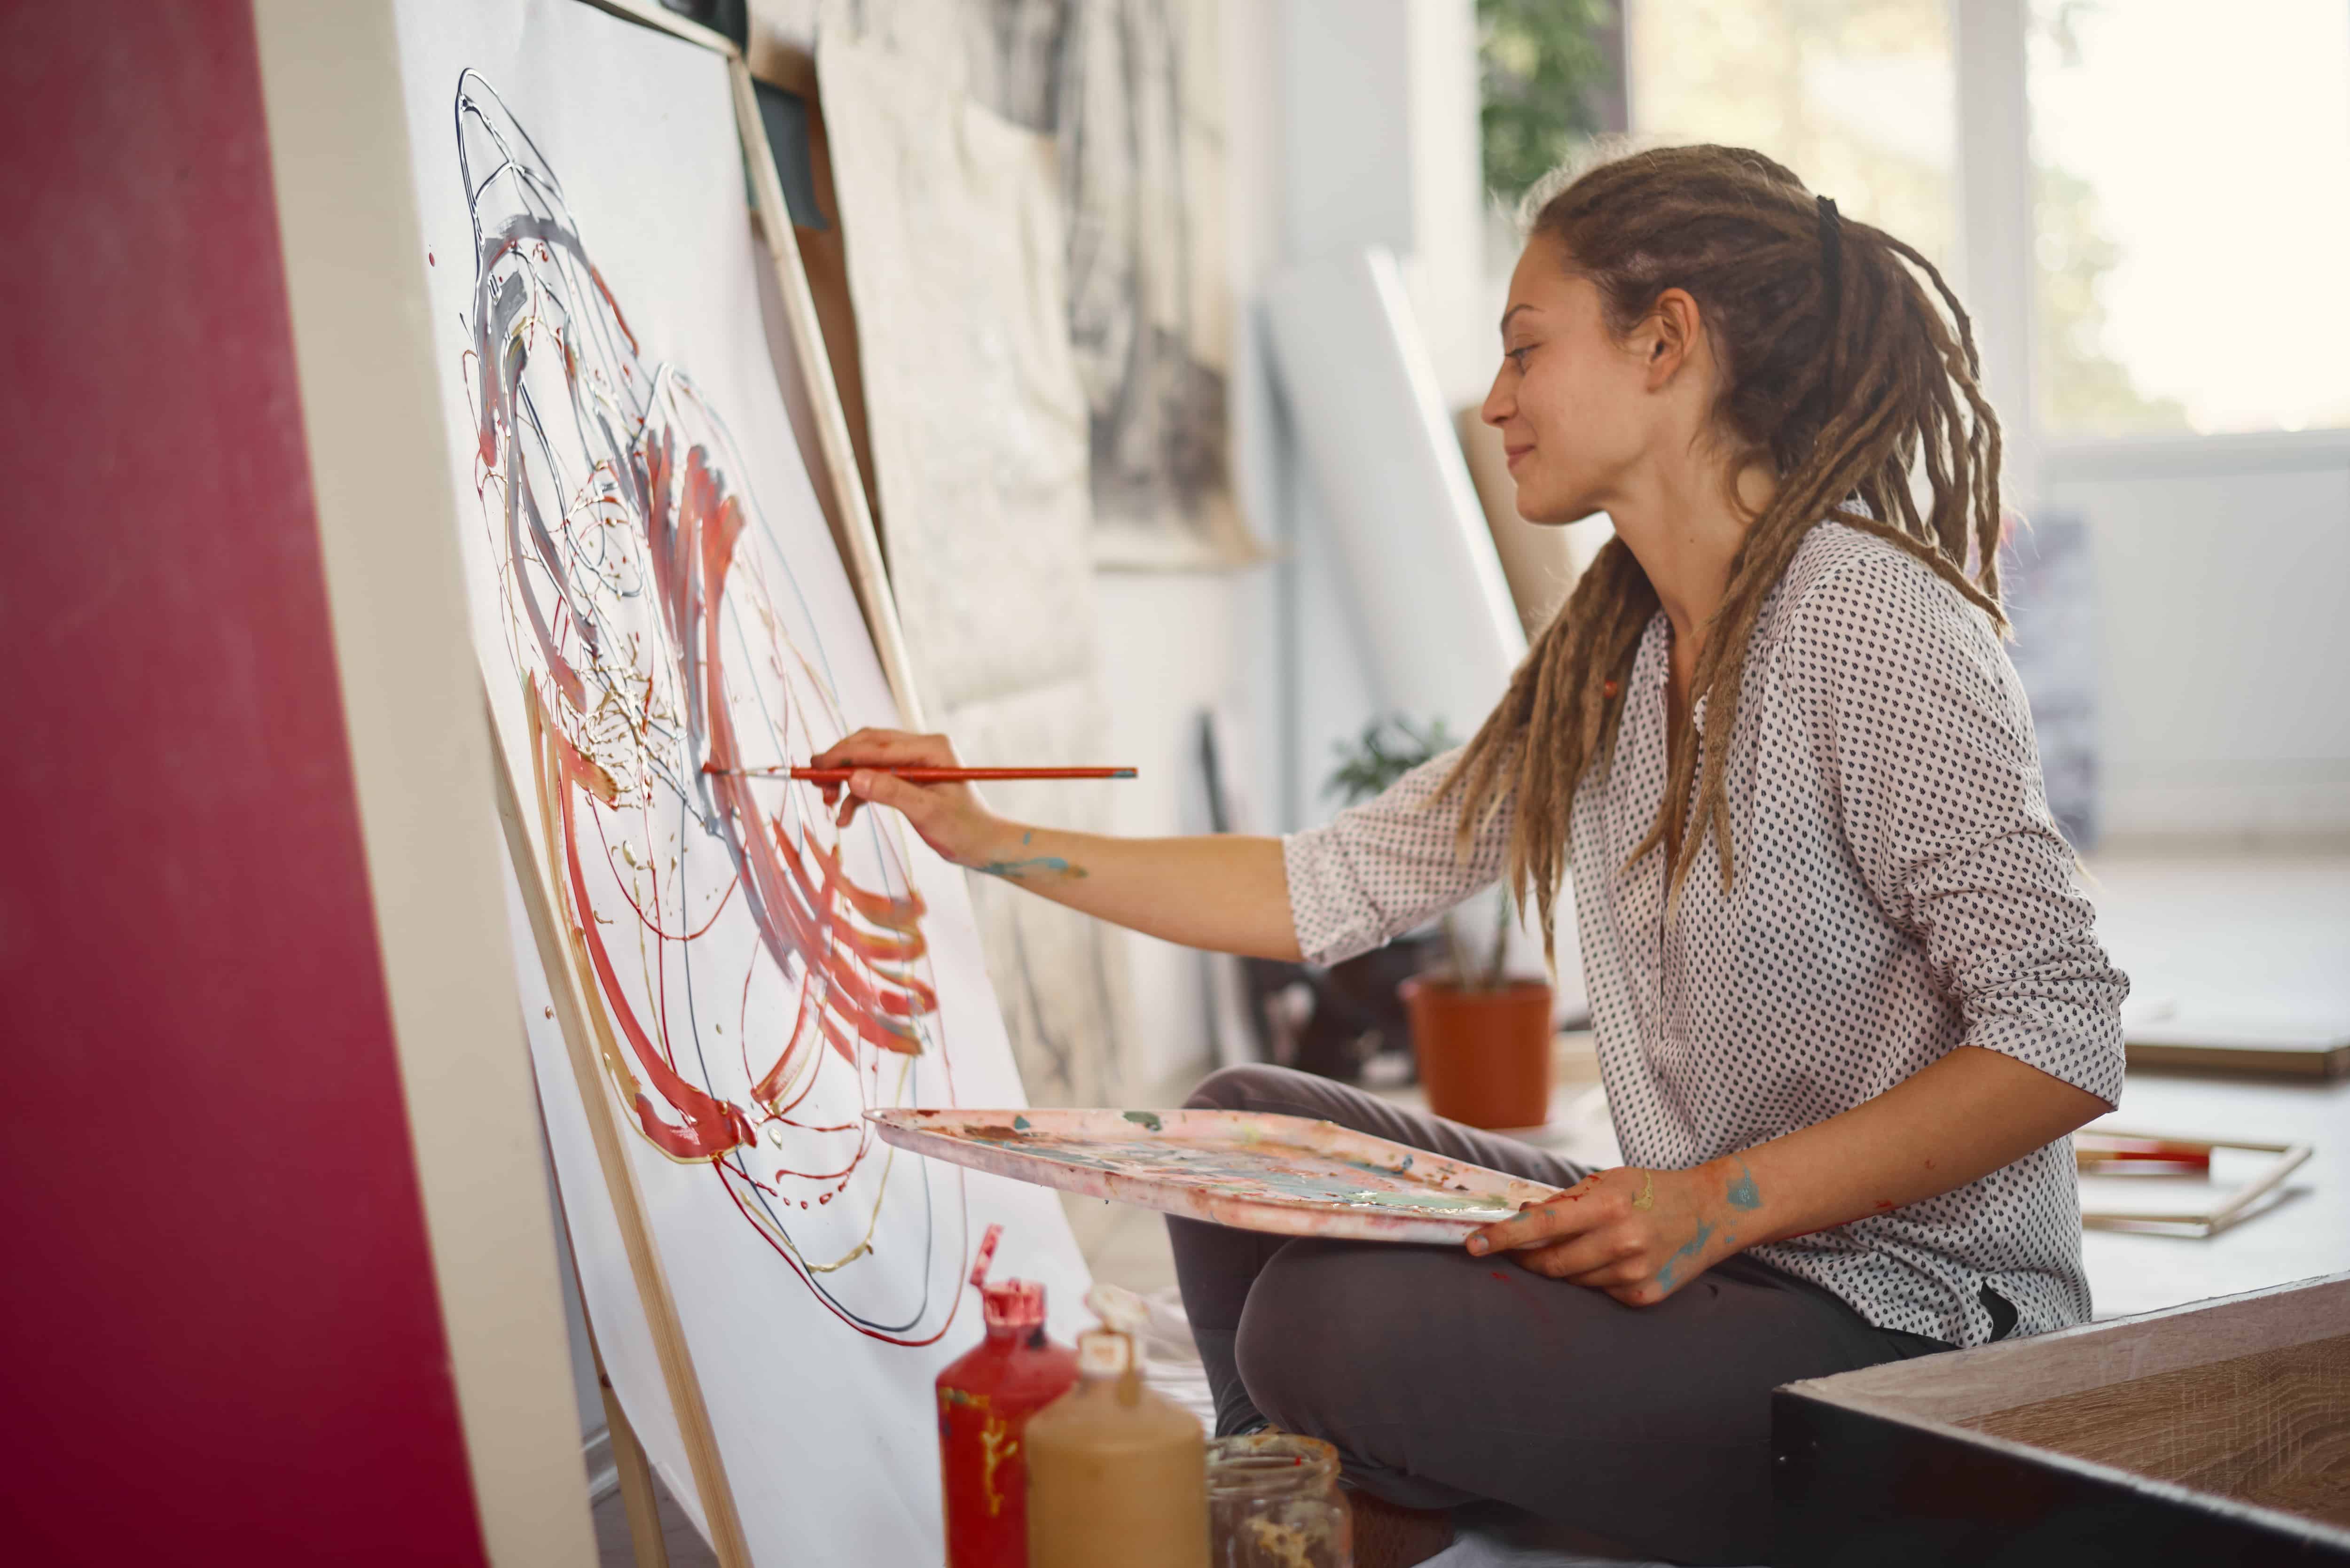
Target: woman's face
(1570,400)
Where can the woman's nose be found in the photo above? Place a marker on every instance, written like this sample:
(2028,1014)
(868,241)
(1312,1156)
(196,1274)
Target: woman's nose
(1499,404)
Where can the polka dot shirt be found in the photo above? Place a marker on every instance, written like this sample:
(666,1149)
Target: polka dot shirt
(1901,890)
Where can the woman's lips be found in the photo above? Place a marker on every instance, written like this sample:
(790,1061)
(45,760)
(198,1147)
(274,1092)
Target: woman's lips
(1510,455)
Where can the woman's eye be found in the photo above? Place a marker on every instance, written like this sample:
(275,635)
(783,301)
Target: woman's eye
(1517,357)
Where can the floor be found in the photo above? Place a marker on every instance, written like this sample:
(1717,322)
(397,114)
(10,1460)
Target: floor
(2244,938)
(684,1543)
(2233,936)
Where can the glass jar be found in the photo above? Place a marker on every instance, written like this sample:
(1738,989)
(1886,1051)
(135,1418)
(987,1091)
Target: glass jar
(1273,1503)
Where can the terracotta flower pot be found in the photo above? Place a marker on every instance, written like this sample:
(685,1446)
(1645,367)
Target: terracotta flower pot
(1484,1055)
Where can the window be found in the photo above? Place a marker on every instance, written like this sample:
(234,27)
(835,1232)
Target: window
(1855,96)
(2191,170)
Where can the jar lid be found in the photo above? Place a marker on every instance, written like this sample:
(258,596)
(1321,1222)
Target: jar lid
(1270,1464)
(1104,1353)
(1013,1306)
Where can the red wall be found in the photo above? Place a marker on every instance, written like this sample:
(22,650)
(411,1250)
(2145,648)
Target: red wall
(218,1334)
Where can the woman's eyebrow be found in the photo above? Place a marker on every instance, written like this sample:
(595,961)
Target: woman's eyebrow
(1522,305)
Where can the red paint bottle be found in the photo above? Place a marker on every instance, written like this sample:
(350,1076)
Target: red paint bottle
(984,1402)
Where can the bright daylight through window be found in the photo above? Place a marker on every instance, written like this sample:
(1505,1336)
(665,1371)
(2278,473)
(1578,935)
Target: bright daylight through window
(1855,96)
(2180,149)
(2175,149)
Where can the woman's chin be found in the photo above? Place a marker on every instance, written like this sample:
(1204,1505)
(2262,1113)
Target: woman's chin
(1554,512)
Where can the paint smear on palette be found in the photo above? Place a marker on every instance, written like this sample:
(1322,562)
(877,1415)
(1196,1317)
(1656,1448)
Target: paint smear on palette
(1286,1174)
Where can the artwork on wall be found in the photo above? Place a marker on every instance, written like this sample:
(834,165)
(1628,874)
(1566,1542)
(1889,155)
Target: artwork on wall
(977,419)
(1138,113)
(664,627)
(1131,93)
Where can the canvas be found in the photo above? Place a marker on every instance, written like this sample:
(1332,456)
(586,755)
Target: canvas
(978,422)
(1132,91)
(662,621)
(1131,95)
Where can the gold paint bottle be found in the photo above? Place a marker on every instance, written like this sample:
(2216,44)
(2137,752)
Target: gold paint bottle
(1116,1474)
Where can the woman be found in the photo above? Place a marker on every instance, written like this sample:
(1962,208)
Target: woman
(1847,998)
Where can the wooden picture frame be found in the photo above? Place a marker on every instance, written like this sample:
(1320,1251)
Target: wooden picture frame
(2226,1207)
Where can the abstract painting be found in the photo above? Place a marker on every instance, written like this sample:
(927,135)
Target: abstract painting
(665,629)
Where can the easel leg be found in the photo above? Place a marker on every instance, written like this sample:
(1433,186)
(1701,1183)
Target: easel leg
(636,1494)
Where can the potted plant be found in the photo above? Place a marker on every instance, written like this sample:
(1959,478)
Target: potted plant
(1481,1036)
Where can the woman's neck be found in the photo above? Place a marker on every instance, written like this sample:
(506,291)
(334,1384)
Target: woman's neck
(1684,528)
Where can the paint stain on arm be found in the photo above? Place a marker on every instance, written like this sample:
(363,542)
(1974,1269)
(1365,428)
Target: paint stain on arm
(1743,1193)
(1037,868)
(1690,1248)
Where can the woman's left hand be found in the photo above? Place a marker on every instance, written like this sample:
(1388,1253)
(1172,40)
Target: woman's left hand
(1640,1235)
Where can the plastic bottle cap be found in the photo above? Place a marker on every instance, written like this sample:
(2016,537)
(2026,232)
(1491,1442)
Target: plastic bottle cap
(1013,1306)
(1104,1353)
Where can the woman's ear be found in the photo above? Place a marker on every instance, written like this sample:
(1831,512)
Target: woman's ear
(1673,326)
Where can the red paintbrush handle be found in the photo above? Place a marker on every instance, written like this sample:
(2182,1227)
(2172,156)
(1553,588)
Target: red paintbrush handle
(923,775)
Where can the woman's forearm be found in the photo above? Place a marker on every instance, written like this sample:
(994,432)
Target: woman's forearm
(1222,891)
(1225,892)
(1950,1123)
(1641,1234)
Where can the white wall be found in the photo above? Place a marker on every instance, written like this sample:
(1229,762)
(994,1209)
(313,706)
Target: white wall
(1173,646)
(1378,102)
(2224,648)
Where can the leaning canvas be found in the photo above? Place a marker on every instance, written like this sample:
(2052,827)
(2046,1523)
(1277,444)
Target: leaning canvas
(663,625)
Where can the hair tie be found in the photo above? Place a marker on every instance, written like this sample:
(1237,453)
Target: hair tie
(1831,283)
(1832,257)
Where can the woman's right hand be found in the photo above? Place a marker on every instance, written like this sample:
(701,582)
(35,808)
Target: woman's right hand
(949,817)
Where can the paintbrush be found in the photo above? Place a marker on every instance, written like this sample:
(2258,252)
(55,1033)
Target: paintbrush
(919,775)
(2113,1154)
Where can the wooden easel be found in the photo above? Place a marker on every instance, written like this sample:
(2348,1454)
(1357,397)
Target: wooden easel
(835,469)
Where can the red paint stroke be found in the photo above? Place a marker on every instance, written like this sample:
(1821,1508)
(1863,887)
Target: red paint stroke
(711,1125)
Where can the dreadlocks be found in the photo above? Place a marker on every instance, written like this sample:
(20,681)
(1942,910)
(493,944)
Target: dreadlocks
(1841,373)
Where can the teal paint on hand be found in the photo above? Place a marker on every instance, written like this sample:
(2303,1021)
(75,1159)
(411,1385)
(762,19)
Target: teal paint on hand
(1690,1248)
(1145,1119)
(1039,866)
(1019,1124)
(1743,1193)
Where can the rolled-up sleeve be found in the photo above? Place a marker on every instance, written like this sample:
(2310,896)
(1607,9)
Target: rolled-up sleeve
(1379,869)
(1924,733)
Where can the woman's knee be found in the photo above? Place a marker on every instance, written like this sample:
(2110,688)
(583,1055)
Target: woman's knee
(1242,1087)
(1306,1338)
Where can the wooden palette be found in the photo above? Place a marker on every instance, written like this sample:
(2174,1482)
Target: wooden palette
(1286,1175)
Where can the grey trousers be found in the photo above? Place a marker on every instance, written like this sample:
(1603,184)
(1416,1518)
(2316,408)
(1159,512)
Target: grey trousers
(1445,1379)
